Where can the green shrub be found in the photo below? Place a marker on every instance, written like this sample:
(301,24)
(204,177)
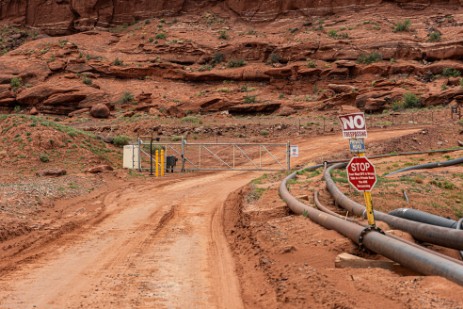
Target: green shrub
(274,58)
(369,58)
(264,132)
(205,67)
(236,63)
(191,119)
(434,36)
(249,99)
(223,35)
(15,83)
(44,158)
(161,36)
(333,34)
(87,81)
(176,138)
(127,97)
(411,100)
(121,140)
(118,62)
(311,64)
(217,58)
(451,72)
(403,26)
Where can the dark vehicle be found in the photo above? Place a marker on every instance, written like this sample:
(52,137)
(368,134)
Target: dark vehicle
(171,162)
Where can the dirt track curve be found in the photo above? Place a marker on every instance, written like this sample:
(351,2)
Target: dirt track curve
(161,246)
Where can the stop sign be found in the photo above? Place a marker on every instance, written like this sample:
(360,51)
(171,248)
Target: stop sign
(361,174)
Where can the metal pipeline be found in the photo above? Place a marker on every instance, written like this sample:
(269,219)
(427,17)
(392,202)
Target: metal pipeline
(424,217)
(428,166)
(409,243)
(441,236)
(411,257)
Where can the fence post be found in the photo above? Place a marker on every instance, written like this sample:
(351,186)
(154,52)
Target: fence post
(163,165)
(183,155)
(288,156)
(151,156)
(157,163)
(139,155)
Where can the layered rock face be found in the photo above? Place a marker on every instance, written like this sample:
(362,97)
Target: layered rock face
(63,16)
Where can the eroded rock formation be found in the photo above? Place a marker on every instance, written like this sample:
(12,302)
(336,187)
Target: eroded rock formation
(64,16)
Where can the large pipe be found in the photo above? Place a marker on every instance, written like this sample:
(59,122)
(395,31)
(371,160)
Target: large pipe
(424,217)
(445,237)
(409,243)
(428,166)
(411,257)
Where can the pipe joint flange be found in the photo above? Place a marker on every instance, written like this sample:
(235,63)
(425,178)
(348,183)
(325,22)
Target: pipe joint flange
(366,231)
(460,224)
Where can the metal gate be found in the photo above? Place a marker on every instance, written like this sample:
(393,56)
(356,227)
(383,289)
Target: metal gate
(218,156)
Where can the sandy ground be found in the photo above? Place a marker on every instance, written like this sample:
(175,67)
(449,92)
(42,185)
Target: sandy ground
(160,245)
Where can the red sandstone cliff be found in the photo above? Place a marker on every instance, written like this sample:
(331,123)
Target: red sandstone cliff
(63,16)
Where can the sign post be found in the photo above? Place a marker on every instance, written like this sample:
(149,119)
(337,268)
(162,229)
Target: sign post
(360,171)
(362,176)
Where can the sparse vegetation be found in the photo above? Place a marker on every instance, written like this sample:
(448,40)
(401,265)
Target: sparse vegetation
(311,64)
(161,36)
(15,83)
(223,35)
(369,58)
(217,58)
(403,26)
(121,140)
(87,80)
(451,72)
(191,119)
(44,158)
(118,62)
(274,58)
(127,97)
(264,132)
(249,99)
(434,36)
(236,63)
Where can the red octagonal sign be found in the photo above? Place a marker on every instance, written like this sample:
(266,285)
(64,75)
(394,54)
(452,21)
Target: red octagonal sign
(361,174)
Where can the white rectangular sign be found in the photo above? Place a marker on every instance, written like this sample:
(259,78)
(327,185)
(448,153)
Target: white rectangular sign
(353,125)
(294,151)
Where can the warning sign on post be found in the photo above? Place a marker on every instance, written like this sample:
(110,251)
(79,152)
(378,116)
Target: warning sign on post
(294,151)
(353,125)
(361,174)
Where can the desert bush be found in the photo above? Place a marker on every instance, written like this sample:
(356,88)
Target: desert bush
(121,140)
(223,35)
(15,83)
(127,97)
(191,119)
(236,63)
(274,58)
(434,36)
(451,72)
(217,58)
(44,158)
(249,99)
(411,100)
(161,36)
(403,26)
(118,62)
(369,58)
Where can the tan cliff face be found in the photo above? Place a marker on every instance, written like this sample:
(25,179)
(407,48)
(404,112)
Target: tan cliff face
(64,16)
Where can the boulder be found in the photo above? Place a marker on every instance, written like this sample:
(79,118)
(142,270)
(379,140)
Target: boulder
(33,111)
(99,169)
(262,108)
(100,111)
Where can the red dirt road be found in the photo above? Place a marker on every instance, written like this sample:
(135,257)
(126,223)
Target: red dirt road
(162,245)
